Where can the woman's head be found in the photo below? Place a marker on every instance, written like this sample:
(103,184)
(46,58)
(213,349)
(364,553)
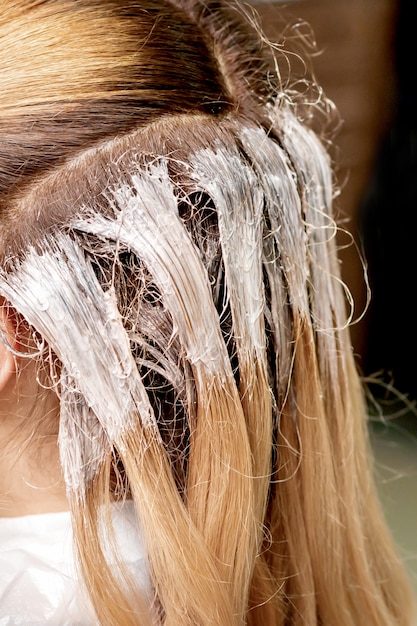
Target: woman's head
(168,238)
(77,72)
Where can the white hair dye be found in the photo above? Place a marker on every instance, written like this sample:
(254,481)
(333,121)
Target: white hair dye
(300,229)
(104,395)
(284,211)
(328,308)
(312,167)
(269,184)
(146,222)
(82,440)
(239,202)
(284,244)
(88,336)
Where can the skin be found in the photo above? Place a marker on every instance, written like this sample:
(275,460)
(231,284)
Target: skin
(30,475)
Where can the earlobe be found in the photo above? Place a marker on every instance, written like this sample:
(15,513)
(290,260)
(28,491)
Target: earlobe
(7,340)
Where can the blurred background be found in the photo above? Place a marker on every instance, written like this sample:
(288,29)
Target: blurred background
(365,63)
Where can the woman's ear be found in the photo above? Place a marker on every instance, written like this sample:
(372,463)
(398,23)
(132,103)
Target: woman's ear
(8,340)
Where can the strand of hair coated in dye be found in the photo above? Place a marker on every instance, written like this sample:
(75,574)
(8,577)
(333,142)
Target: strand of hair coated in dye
(219,483)
(239,202)
(312,168)
(239,199)
(56,290)
(328,311)
(284,244)
(82,440)
(301,229)
(146,222)
(283,210)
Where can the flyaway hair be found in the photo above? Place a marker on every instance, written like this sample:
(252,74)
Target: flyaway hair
(168,235)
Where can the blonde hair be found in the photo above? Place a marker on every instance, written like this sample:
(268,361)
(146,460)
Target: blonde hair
(167,231)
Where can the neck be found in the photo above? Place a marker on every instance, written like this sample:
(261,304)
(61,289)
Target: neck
(31,479)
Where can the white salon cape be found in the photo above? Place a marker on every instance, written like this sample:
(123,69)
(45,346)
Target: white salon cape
(38,581)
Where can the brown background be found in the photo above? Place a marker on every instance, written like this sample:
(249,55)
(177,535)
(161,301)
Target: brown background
(354,65)
(356,69)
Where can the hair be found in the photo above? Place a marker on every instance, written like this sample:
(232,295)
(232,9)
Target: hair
(168,235)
